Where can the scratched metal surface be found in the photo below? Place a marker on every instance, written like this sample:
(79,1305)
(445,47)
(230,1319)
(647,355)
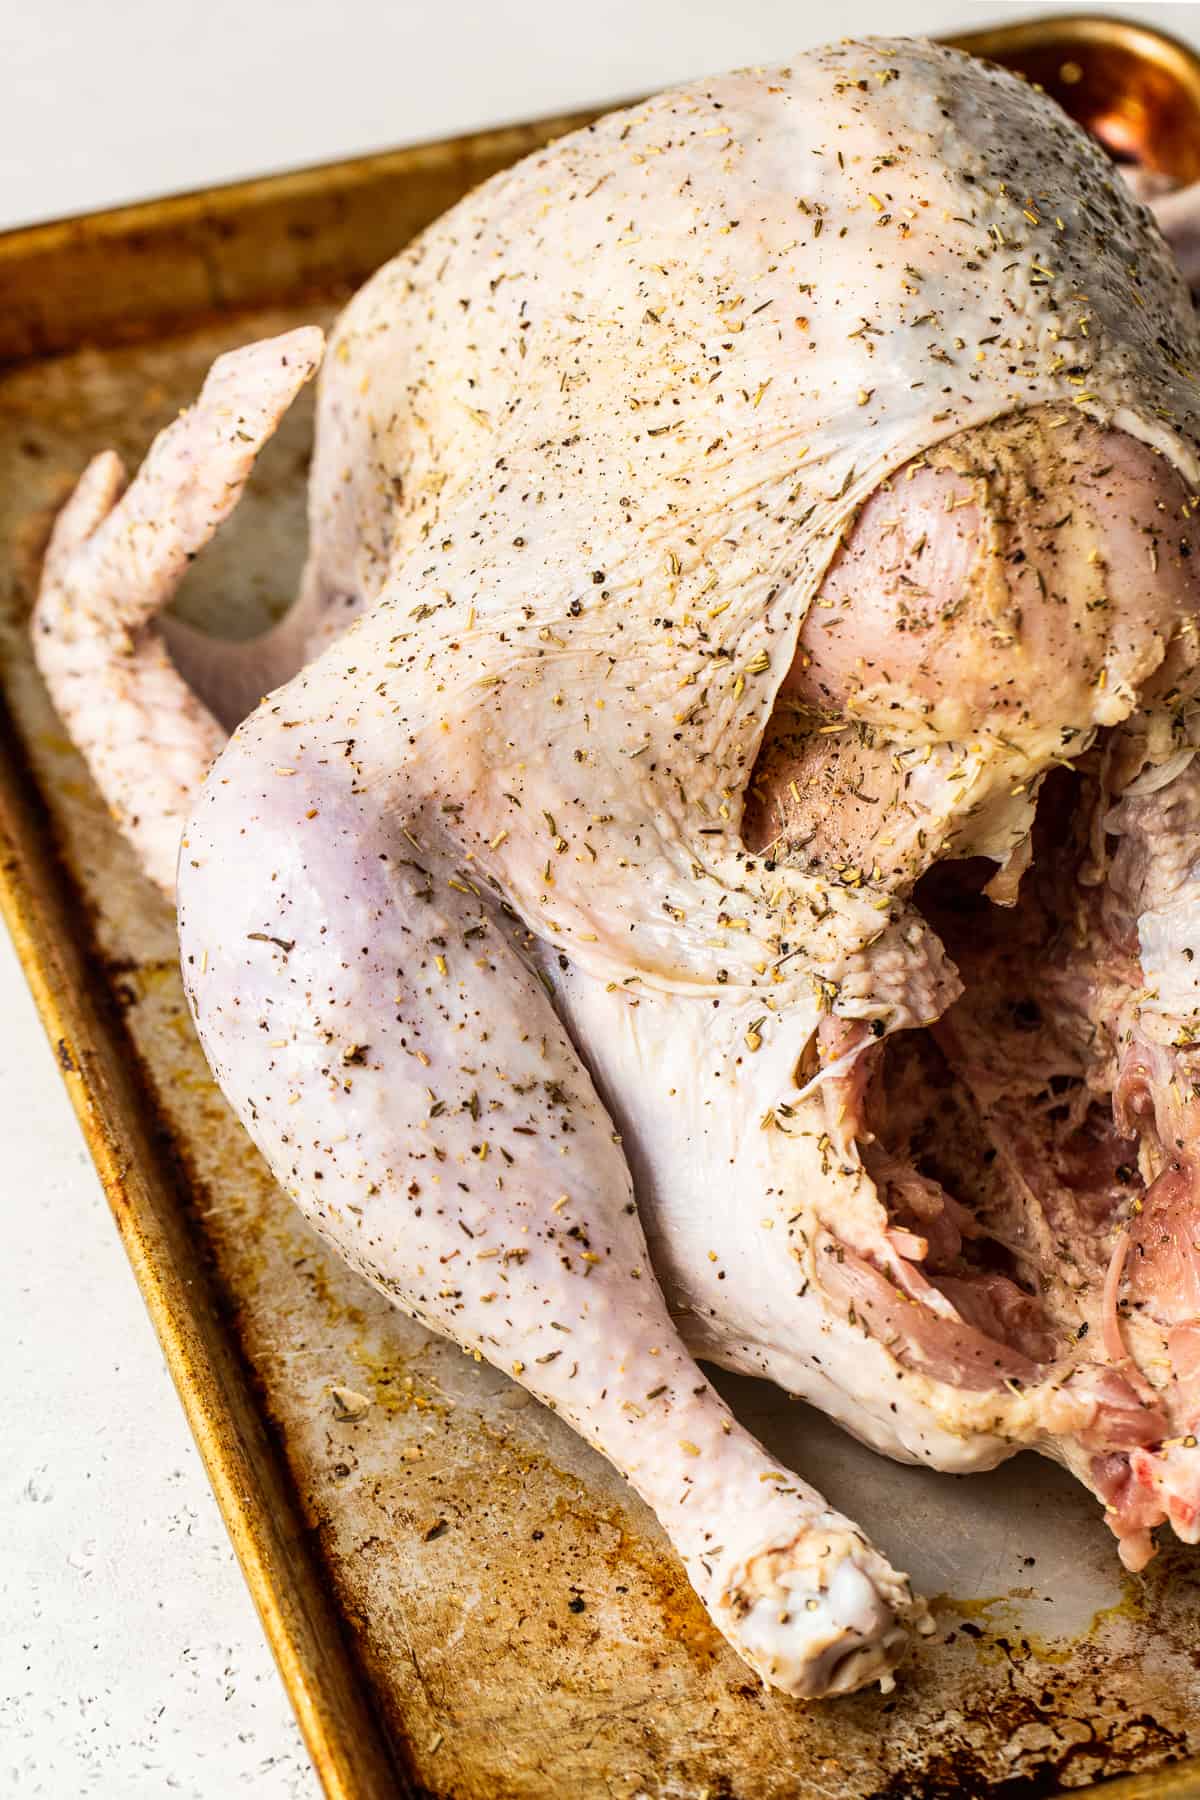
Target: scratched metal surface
(522,1625)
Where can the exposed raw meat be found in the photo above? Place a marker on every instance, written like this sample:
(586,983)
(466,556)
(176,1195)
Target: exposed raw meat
(730,895)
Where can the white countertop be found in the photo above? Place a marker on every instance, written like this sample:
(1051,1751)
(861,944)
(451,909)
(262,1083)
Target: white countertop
(131,1661)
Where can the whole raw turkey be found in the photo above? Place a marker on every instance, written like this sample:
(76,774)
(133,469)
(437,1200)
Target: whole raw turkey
(713,876)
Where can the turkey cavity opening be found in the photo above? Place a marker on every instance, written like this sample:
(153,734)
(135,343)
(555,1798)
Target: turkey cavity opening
(992,1135)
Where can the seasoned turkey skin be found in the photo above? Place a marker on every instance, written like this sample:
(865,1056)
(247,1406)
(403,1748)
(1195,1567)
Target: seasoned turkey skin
(725,524)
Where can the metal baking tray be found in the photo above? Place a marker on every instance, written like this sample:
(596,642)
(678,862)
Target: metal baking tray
(464,1600)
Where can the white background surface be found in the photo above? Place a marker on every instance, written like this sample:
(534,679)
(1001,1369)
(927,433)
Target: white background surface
(131,1662)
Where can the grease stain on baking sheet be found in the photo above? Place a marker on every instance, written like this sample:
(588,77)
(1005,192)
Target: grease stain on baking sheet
(680,1614)
(394,1390)
(992,1622)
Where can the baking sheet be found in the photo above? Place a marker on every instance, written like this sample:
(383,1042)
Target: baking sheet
(464,1599)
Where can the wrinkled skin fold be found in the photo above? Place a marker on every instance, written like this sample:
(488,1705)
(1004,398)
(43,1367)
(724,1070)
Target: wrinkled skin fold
(712,878)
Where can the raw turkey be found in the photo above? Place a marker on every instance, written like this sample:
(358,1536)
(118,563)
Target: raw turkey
(714,877)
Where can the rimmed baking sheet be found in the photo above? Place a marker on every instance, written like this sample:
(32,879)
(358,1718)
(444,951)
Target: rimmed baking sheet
(463,1599)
